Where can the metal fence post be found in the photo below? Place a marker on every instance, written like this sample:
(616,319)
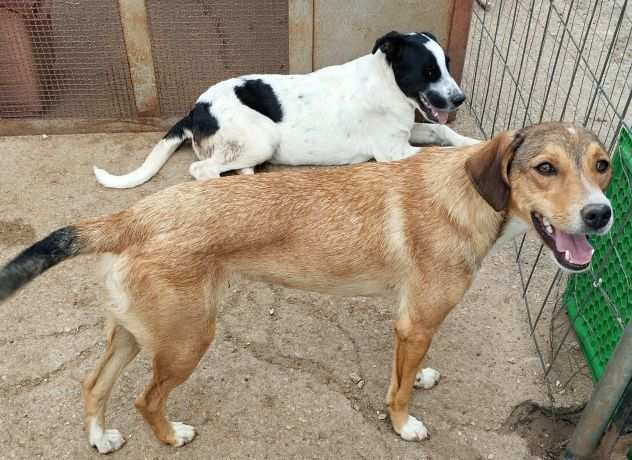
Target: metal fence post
(604,401)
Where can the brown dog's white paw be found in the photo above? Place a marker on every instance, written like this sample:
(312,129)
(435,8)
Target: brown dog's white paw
(183,433)
(413,430)
(105,441)
(427,378)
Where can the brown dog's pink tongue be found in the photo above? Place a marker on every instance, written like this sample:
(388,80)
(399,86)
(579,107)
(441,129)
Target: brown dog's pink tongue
(579,249)
(442,116)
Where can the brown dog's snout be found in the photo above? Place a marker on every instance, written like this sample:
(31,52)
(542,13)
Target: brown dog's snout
(596,216)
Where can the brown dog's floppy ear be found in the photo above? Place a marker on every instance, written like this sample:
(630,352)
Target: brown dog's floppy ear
(488,169)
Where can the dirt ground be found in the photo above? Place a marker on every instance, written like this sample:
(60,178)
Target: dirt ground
(276,382)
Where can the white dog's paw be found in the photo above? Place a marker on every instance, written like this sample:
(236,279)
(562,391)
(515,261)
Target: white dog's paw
(184,434)
(105,441)
(246,171)
(427,378)
(413,430)
(470,141)
(201,170)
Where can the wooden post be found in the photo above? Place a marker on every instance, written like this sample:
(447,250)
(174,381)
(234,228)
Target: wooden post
(141,63)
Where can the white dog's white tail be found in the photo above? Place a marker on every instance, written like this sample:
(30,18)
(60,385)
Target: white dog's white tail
(154,161)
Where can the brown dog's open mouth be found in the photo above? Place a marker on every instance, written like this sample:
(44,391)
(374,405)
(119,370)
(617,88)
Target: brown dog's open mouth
(572,251)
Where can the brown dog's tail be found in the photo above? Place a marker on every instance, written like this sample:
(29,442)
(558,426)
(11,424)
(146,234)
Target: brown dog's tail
(97,235)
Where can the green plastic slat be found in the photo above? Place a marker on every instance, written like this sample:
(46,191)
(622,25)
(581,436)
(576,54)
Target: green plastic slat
(599,302)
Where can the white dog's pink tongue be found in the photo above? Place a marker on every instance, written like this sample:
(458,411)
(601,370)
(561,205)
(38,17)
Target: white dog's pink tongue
(442,116)
(576,248)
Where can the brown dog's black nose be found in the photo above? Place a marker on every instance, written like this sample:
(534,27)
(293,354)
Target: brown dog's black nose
(596,216)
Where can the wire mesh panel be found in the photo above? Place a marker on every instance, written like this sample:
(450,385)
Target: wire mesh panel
(63,59)
(198,43)
(538,60)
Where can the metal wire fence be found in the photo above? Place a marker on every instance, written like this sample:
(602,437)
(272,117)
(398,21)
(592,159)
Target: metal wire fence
(62,59)
(535,60)
(70,58)
(196,44)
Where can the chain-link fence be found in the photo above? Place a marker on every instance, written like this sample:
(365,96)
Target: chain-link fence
(537,60)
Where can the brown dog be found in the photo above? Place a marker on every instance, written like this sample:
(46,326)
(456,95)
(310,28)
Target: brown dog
(419,226)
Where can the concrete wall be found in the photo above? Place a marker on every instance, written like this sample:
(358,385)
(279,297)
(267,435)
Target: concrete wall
(346,30)
(326,32)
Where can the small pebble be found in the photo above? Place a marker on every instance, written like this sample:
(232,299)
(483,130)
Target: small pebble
(360,384)
(271,311)
(355,378)
(44,136)
(381,416)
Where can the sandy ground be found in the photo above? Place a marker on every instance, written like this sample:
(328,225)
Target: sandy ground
(272,385)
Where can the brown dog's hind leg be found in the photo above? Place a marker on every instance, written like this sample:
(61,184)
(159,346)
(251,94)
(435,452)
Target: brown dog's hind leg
(97,387)
(172,365)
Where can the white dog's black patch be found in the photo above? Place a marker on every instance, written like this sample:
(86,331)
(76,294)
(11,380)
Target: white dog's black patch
(177,130)
(259,96)
(203,123)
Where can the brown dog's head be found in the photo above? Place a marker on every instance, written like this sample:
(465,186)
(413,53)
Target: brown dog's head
(550,176)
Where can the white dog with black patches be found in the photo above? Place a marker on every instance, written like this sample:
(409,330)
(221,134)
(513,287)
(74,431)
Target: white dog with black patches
(350,113)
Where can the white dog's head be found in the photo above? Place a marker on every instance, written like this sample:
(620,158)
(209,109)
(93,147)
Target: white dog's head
(421,71)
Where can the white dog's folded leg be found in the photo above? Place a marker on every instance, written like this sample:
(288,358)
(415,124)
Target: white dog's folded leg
(425,133)
(203,170)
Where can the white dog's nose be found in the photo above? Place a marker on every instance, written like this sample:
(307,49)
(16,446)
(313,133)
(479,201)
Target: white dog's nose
(458,98)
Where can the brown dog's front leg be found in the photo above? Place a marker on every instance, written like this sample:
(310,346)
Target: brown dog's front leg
(412,340)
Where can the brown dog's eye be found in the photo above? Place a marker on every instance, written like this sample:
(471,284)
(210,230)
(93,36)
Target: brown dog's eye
(602,166)
(546,169)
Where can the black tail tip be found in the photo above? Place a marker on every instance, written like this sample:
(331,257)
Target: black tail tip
(46,253)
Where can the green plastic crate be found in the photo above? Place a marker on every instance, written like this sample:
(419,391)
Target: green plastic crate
(599,302)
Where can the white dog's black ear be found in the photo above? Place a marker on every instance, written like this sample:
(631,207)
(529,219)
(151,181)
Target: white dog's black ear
(390,44)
